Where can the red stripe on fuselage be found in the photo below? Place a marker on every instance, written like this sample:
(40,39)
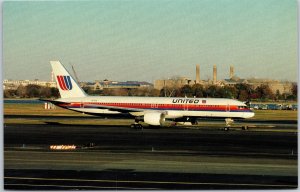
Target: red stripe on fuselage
(164,106)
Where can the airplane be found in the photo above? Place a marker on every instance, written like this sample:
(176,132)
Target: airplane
(151,110)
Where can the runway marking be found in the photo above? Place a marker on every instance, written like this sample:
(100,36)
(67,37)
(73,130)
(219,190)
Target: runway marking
(151,161)
(83,186)
(146,152)
(152,182)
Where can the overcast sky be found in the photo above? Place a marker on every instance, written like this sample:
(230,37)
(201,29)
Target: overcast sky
(151,39)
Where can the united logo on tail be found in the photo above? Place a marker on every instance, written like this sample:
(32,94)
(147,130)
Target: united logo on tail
(64,82)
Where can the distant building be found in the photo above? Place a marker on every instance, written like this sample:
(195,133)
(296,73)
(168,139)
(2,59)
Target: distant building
(231,72)
(106,84)
(181,81)
(282,87)
(175,82)
(215,75)
(234,80)
(14,84)
(97,85)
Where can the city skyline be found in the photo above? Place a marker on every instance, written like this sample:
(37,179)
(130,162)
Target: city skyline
(144,41)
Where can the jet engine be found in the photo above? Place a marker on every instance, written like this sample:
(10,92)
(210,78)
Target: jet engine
(154,118)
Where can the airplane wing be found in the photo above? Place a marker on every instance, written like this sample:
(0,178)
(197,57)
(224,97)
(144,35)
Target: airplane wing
(114,108)
(123,109)
(111,108)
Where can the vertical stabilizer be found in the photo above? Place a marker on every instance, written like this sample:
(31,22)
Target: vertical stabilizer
(65,82)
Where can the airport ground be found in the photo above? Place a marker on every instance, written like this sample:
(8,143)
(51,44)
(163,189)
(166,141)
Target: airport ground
(174,157)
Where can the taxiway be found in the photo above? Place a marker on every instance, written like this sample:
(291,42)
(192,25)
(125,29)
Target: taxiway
(164,158)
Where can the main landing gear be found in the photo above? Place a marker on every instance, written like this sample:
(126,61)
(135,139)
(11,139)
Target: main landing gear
(136,125)
(194,121)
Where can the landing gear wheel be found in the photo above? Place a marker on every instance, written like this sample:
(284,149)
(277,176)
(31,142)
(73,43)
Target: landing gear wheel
(136,126)
(194,121)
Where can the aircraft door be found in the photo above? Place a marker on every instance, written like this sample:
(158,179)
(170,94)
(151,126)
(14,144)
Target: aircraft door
(81,104)
(227,108)
(185,107)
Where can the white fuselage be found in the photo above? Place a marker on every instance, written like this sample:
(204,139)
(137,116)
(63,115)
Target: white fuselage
(171,107)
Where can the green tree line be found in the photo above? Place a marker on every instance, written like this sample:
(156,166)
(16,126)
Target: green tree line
(243,92)
(32,91)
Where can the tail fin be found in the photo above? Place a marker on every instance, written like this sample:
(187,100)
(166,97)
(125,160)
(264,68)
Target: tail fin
(65,82)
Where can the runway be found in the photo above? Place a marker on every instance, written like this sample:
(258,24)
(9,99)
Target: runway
(44,117)
(164,158)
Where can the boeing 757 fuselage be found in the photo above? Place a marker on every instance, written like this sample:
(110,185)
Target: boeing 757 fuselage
(151,110)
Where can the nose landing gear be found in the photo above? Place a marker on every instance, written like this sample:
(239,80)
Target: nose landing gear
(228,122)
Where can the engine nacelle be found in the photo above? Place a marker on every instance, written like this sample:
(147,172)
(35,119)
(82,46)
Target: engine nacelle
(154,118)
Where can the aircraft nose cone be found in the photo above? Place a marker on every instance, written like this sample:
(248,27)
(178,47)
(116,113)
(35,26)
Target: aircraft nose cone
(249,114)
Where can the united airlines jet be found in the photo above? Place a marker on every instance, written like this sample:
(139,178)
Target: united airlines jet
(151,110)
